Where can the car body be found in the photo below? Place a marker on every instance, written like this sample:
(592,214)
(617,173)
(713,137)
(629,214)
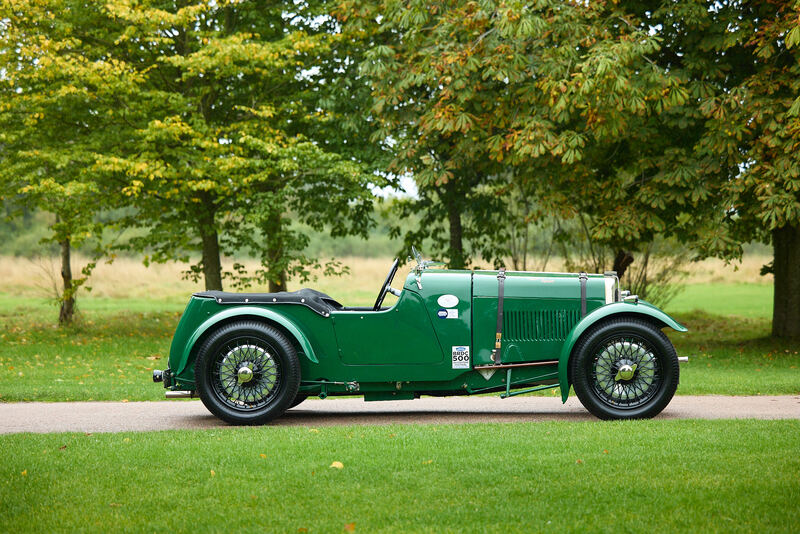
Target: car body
(250,357)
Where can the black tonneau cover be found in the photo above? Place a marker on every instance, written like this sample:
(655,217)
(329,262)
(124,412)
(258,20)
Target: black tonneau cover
(316,300)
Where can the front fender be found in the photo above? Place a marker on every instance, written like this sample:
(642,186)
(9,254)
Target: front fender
(245,311)
(640,308)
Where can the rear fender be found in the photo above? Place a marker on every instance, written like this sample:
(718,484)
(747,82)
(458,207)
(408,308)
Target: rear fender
(640,309)
(246,312)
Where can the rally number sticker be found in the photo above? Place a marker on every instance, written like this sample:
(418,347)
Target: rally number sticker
(460,357)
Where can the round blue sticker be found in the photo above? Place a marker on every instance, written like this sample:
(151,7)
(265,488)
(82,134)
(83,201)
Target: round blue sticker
(442,313)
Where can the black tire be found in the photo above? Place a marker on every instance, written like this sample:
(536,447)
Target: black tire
(610,352)
(229,355)
(300,397)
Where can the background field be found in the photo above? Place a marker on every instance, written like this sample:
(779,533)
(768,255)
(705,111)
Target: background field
(126,323)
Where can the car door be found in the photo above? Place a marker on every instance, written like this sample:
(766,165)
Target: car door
(400,336)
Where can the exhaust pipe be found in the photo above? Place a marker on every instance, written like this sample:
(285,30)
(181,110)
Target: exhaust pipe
(180,394)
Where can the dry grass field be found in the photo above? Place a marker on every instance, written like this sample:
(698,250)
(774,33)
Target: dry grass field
(129,278)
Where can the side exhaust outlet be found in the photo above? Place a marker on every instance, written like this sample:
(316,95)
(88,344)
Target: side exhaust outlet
(180,394)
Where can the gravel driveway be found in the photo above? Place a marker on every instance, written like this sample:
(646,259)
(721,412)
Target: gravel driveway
(166,415)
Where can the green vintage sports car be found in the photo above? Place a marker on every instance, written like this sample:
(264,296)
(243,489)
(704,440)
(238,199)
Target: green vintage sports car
(250,357)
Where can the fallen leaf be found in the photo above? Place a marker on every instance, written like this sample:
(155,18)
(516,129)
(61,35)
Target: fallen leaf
(427,461)
(302,529)
(61,448)
(316,431)
(578,461)
(350,527)
(127,440)
(213,474)
(605,451)
(337,465)
(114,504)
(24,473)
(263,455)
(125,400)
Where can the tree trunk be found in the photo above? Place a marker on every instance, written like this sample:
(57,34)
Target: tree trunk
(67,309)
(456,254)
(276,273)
(786,266)
(278,285)
(622,261)
(212,266)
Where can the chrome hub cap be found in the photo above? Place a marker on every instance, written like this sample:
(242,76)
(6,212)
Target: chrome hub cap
(625,372)
(244,374)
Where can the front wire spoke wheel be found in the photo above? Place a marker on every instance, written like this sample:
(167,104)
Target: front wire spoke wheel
(625,372)
(624,368)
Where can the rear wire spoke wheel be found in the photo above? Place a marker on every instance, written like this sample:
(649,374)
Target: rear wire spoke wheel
(624,369)
(247,373)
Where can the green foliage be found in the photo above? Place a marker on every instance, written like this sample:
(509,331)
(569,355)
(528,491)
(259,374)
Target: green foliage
(213,119)
(565,99)
(52,90)
(221,144)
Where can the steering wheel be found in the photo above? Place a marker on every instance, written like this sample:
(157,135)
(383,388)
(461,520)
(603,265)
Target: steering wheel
(386,285)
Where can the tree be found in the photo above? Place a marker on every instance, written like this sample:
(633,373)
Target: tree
(562,96)
(422,135)
(754,132)
(51,90)
(222,155)
(740,131)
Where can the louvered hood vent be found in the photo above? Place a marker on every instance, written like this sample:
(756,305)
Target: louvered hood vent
(547,325)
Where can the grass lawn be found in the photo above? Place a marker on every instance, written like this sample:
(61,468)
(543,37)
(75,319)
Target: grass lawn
(688,476)
(738,299)
(110,352)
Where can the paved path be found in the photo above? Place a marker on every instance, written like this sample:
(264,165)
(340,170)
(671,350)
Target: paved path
(165,415)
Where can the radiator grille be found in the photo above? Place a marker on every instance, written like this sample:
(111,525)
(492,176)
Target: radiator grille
(546,325)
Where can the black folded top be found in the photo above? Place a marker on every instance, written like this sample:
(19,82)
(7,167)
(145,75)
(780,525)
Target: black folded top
(311,298)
